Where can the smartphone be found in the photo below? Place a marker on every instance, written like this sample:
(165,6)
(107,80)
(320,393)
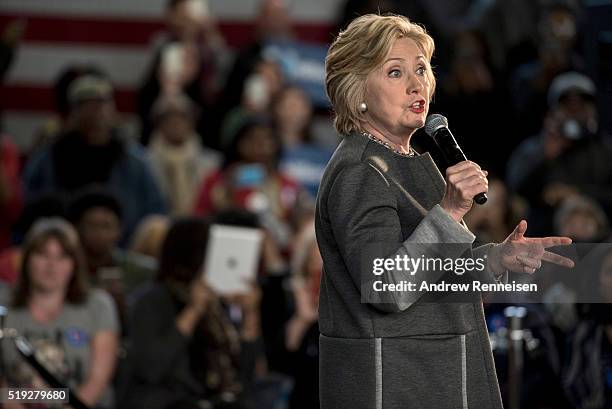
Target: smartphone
(173,57)
(252,175)
(256,91)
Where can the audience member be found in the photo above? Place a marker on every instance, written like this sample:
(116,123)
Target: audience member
(10,37)
(556,44)
(73,330)
(476,104)
(581,219)
(588,376)
(260,88)
(188,58)
(55,125)
(44,206)
(569,156)
(301,158)
(184,346)
(97,216)
(91,153)
(510,28)
(273,23)
(250,179)
(177,157)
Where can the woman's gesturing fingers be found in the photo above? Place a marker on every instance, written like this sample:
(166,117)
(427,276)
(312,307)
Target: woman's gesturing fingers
(554,241)
(526,254)
(519,231)
(557,259)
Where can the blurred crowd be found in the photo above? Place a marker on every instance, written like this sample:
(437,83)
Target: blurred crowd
(103,233)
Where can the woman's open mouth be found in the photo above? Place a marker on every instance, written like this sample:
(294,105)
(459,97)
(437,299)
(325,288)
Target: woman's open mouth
(418,107)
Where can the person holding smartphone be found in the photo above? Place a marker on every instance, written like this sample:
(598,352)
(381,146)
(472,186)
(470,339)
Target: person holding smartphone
(187,58)
(185,349)
(250,179)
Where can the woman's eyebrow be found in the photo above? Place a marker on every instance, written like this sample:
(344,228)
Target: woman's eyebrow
(417,57)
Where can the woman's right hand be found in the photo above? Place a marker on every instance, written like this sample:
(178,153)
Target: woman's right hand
(200,296)
(199,299)
(463,181)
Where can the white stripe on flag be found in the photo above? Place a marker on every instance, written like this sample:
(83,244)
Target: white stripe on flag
(40,64)
(302,10)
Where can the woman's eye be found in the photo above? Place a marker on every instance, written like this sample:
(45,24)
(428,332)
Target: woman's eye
(421,70)
(395,73)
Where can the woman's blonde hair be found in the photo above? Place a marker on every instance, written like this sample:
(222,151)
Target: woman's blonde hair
(359,50)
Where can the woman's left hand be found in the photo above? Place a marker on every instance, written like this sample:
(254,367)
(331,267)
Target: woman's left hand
(525,254)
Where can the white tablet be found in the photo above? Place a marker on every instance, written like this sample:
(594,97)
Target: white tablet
(232,258)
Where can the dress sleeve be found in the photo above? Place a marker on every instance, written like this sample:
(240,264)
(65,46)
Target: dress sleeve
(363,213)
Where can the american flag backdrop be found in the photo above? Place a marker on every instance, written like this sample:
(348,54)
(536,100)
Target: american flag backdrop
(116,35)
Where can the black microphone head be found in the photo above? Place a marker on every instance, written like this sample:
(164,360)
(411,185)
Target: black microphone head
(435,122)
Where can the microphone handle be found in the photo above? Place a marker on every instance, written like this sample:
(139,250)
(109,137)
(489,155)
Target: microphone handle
(481,198)
(453,154)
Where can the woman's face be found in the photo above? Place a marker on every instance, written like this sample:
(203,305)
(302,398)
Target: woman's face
(258,146)
(50,267)
(397,93)
(293,109)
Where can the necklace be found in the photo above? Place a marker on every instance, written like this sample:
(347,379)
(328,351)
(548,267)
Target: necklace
(388,145)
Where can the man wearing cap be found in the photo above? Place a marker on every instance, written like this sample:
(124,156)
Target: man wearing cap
(90,152)
(569,156)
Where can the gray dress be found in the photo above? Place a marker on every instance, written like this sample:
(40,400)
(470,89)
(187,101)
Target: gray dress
(399,353)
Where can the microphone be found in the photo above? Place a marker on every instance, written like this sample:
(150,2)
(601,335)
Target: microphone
(436,126)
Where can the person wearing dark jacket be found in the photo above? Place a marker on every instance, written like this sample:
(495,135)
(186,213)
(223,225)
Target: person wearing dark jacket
(90,152)
(569,157)
(184,348)
(192,36)
(379,199)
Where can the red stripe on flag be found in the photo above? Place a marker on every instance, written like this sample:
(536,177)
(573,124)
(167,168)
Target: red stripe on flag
(116,31)
(85,30)
(23,97)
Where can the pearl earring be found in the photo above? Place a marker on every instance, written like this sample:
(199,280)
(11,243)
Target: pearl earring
(363,107)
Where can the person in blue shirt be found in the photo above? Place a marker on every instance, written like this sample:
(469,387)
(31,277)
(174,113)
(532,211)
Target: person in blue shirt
(302,157)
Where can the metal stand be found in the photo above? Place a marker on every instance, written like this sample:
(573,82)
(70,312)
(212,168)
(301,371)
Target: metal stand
(3,334)
(516,337)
